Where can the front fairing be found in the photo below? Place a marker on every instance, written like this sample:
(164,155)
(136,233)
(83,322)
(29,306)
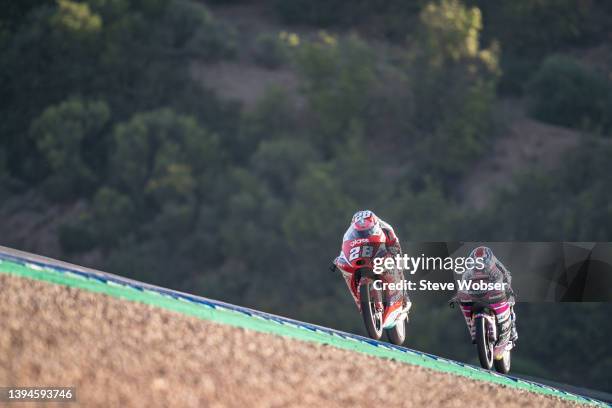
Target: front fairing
(360,253)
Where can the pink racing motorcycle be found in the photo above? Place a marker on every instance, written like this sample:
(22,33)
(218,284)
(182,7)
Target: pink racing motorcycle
(488,317)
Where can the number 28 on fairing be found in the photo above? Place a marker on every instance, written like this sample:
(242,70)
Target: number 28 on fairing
(364,251)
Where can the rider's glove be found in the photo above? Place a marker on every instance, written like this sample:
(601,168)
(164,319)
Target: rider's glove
(333,267)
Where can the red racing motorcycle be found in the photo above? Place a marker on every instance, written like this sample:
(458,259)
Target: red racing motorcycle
(380,297)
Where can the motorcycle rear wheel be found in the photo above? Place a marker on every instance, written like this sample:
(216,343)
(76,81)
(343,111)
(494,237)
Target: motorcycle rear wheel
(397,334)
(485,348)
(371,319)
(503,365)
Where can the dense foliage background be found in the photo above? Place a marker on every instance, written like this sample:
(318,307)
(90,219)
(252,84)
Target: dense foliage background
(140,168)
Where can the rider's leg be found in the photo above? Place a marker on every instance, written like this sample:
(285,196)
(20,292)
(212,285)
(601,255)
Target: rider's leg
(514,333)
(466,311)
(401,280)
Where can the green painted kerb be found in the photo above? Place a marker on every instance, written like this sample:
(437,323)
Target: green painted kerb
(235,318)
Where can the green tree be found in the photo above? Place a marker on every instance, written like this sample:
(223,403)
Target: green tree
(161,157)
(273,117)
(110,219)
(76,17)
(112,216)
(118,51)
(67,134)
(454,80)
(317,190)
(312,229)
(451,32)
(163,168)
(252,228)
(59,36)
(337,80)
(280,162)
(566,93)
(425,215)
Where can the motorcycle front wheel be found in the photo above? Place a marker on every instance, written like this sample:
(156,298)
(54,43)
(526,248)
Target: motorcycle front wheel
(485,348)
(371,317)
